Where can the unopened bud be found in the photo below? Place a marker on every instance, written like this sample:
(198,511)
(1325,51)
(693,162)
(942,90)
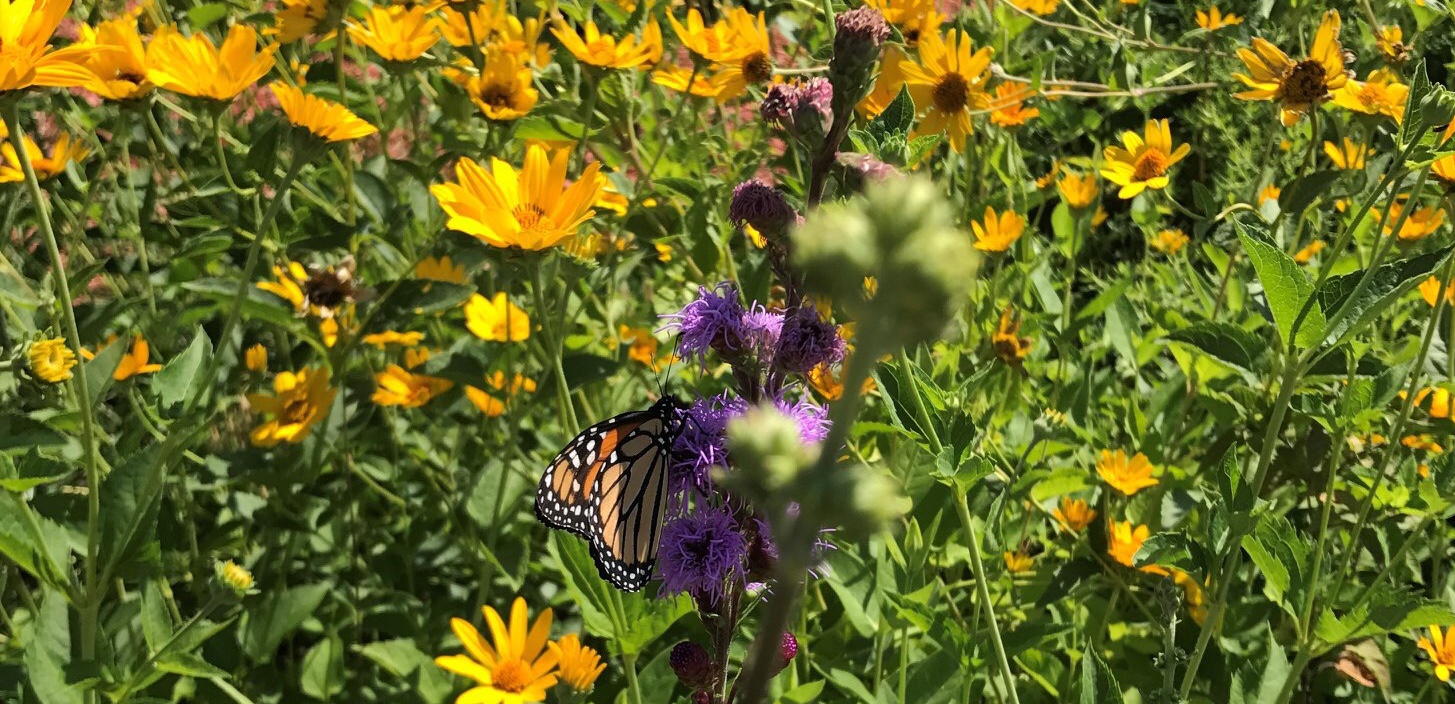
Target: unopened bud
(835,250)
(858,34)
(235,577)
(692,664)
(769,451)
(787,650)
(758,204)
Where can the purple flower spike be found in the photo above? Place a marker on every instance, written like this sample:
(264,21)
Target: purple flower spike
(763,328)
(807,341)
(702,445)
(700,553)
(714,321)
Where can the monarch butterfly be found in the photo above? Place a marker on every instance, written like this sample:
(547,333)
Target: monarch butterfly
(609,486)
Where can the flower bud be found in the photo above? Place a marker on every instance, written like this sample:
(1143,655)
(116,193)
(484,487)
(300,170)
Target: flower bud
(901,207)
(860,169)
(787,649)
(692,664)
(758,204)
(702,696)
(769,451)
(858,34)
(234,577)
(834,249)
(806,341)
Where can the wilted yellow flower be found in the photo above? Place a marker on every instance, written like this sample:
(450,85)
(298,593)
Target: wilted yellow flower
(1051,176)
(1009,346)
(1422,221)
(440,269)
(948,83)
(1127,476)
(396,32)
(676,78)
(580,665)
(1297,86)
(415,356)
(324,119)
(195,66)
(517,669)
(504,91)
(531,209)
(1382,94)
(26,57)
(235,577)
(1124,542)
(597,49)
(1311,250)
(51,360)
(1077,191)
(1169,242)
(1392,47)
(1213,19)
(1430,291)
(1007,109)
(397,386)
(1269,192)
(996,233)
(497,319)
(1074,514)
(1018,562)
(64,151)
(1039,7)
(299,401)
(1144,162)
(297,19)
(135,361)
(1441,649)
(256,358)
(117,58)
(490,404)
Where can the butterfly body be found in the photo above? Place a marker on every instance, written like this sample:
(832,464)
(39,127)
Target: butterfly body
(609,486)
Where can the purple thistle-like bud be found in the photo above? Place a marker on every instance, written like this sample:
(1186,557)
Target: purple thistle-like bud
(714,321)
(762,206)
(787,650)
(699,553)
(858,34)
(692,664)
(818,94)
(860,28)
(867,167)
(807,341)
(702,696)
(778,106)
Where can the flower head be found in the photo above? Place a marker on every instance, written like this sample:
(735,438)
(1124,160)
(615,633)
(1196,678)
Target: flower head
(1391,44)
(604,51)
(996,233)
(399,387)
(1124,542)
(712,321)
(762,206)
(580,665)
(64,151)
(1039,7)
(26,57)
(135,361)
(440,269)
(1440,646)
(256,358)
(518,668)
(1144,161)
(1169,242)
(496,319)
(51,360)
(322,118)
(806,341)
(505,90)
(395,32)
(1007,108)
(948,83)
(1125,475)
(235,577)
(685,80)
(1078,191)
(1382,94)
(1418,224)
(195,66)
(887,84)
(1213,19)
(915,19)
(1269,192)
(531,209)
(692,665)
(321,291)
(490,402)
(1430,291)
(299,401)
(1435,400)
(1074,514)
(700,553)
(1298,86)
(117,58)
(1349,156)
(749,61)
(1309,251)
(1018,562)
(1009,346)
(300,18)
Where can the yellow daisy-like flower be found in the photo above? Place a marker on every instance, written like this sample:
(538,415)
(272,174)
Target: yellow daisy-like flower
(1124,542)
(580,665)
(195,66)
(299,401)
(1127,476)
(531,209)
(1390,41)
(256,358)
(1074,514)
(497,319)
(490,24)
(997,232)
(490,403)
(297,19)
(604,51)
(1349,156)
(1018,562)
(1441,649)
(1430,291)
(64,151)
(135,361)
(1009,346)
(394,337)
(1169,242)
(1008,110)
(236,577)
(718,43)
(395,32)
(1423,442)
(26,57)
(887,84)
(1213,19)
(504,91)
(749,61)
(1269,192)
(324,119)
(415,356)
(1144,161)
(1298,86)
(948,83)
(1311,250)
(1039,7)
(915,19)
(1382,94)
(1434,400)
(117,58)
(519,668)
(1078,191)
(397,386)
(51,360)
(440,269)
(1444,171)
(1421,223)
(677,78)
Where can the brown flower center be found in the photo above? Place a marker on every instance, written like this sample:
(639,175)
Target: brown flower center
(757,68)
(295,410)
(1151,164)
(328,289)
(511,676)
(498,95)
(1305,82)
(952,93)
(529,215)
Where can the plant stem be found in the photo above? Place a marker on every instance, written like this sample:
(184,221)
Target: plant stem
(982,587)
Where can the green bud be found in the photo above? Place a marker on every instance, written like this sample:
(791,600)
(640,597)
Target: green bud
(924,284)
(898,208)
(1438,108)
(858,499)
(834,249)
(768,450)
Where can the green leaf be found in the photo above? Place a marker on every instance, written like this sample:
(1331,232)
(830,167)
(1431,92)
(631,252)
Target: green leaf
(98,370)
(280,613)
(649,618)
(18,432)
(156,623)
(1224,342)
(1280,554)
(1286,289)
(1413,118)
(1173,549)
(802,694)
(30,471)
(188,665)
(1301,192)
(1098,684)
(1386,285)
(48,651)
(962,473)
(590,593)
(399,657)
(129,494)
(1275,672)
(39,547)
(1385,611)
(323,669)
(179,380)
(896,120)
(203,15)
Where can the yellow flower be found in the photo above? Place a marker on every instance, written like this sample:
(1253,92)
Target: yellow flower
(594,48)
(490,404)
(518,669)
(1382,94)
(415,356)
(948,83)
(580,665)
(1124,542)
(1009,346)
(300,18)
(400,387)
(26,57)
(492,25)
(1418,225)
(1430,291)
(1350,156)
(256,358)
(1193,594)
(749,61)
(328,328)
(324,119)
(395,32)
(1269,192)
(643,345)
(914,18)
(1074,514)
(532,209)
(1078,191)
(1298,86)
(440,269)
(1434,399)
(1040,7)
(1214,19)
(887,84)
(117,58)
(1424,442)
(718,43)
(1305,255)
(1098,217)
(63,152)
(394,337)
(1441,651)
(676,78)
(299,401)
(1144,162)
(1169,242)
(236,577)
(195,66)
(1390,41)
(1444,170)
(998,232)
(1007,109)
(51,360)
(496,320)
(1127,476)
(1018,562)
(135,361)
(504,91)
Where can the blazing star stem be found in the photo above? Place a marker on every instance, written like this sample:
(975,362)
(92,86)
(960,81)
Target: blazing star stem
(982,589)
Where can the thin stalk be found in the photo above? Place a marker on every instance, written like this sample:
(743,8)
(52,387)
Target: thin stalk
(982,587)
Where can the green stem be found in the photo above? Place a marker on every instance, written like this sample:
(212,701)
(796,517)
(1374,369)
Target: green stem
(982,587)
(123,133)
(553,346)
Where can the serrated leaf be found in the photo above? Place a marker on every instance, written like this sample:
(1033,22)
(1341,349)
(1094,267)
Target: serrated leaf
(1224,342)
(1286,288)
(188,665)
(1098,684)
(48,651)
(1386,285)
(896,120)
(179,379)
(280,613)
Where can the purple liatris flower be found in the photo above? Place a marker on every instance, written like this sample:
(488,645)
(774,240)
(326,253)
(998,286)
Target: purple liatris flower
(702,445)
(713,321)
(807,340)
(699,553)
(758,204)
(812,419)
(762,328)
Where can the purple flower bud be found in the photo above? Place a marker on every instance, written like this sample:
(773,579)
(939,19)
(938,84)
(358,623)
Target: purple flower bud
(699,553)
(807,341)
(692,664)
(762,206)
(702,696)
(786,651)
(867,167)
(859,28)
(817,94)
(857,37)
(778,106)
